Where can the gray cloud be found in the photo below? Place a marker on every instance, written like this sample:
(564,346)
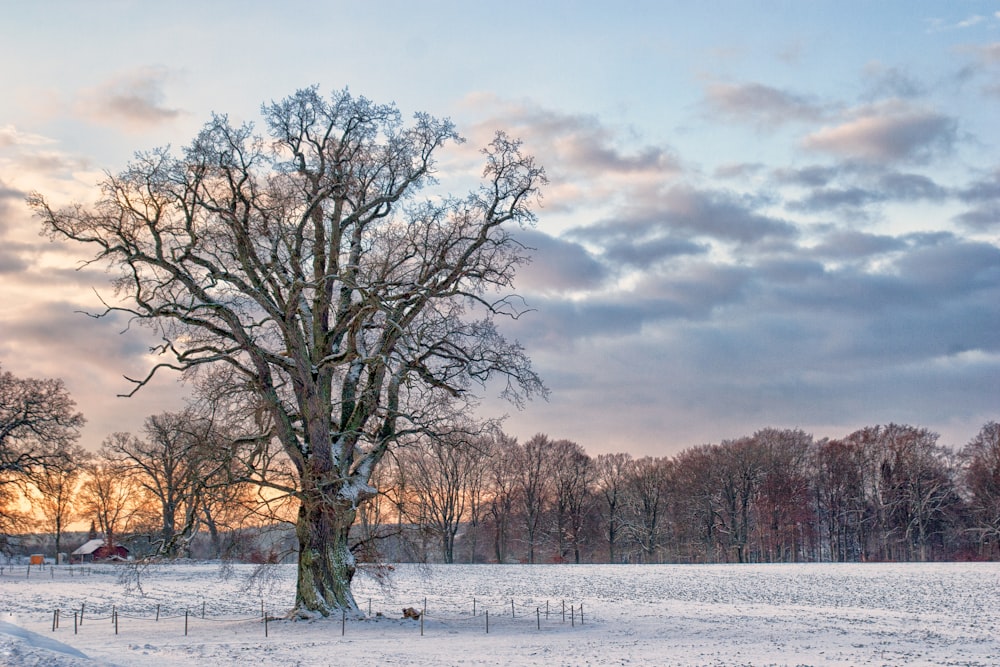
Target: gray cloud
(739,170)
(579,143)
(882,82)
(658,226)
(558,265)
(692,292)
(853,245)
(760,105)
(887,132)
(879,188)
(983,197)
(8,196)
(713,214)
(647,253)
(811,176)
(13,260)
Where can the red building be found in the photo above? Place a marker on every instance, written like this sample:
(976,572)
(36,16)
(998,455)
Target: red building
(96,550)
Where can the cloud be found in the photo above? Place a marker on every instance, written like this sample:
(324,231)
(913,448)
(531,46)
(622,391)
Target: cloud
(11,136)
(647,253)
(983,196)
(853,245)
(760,105)
(942,25)
(578,143)
(739,170)
(887,132)
(885,187)
(134,98)
(699,213)
(8,195)
(558,265)
(889,82)
(988,53)
(811,176)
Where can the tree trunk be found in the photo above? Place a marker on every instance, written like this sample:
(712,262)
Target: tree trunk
(326,564)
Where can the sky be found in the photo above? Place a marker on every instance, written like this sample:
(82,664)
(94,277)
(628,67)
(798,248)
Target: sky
(768,214)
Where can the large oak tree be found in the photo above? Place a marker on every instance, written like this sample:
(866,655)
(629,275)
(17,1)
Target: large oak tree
(305,263)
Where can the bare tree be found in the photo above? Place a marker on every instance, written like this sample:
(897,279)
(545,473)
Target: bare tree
(841,499)
(981,460)
(534,481)
(741,472)
(784,510)
(502,487)
(57,484)
(38,424)
(111,496)
(612,471)
(572,490)
(307,265)
(648,484)
(180,459)
(696,473)
(440,470)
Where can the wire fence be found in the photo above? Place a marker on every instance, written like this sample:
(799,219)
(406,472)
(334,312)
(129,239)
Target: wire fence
(478,614)
(486,616)
(46,570)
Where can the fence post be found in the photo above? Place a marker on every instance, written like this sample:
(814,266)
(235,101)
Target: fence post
(538,617)
(546,610)
(55,615)
(185,622)
(82,604)
(422,614)
(265,625)
(203,609)
(114,610)
(564,611)
(512,607)
(572,617)
(116,622)
(487,621)
(74,621)
(473,607)
(157,613)
(581,613)
(343,621)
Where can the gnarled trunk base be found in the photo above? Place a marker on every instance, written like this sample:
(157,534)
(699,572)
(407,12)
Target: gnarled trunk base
(326,564)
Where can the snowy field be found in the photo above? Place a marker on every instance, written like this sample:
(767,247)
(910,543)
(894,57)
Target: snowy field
(817,614)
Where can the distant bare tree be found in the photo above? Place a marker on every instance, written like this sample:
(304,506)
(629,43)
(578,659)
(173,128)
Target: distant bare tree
(572,496)
(648,485)
(57,484)
(611,475)
(981,460)
(534,484)
(502,485)
(441,471)
(784,505)
(180,460)
(38,424)
(111,496)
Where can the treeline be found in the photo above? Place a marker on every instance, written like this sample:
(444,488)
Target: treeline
(882,493)
(193,484)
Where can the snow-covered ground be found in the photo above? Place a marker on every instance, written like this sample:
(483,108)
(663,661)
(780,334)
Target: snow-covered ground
(816,614)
